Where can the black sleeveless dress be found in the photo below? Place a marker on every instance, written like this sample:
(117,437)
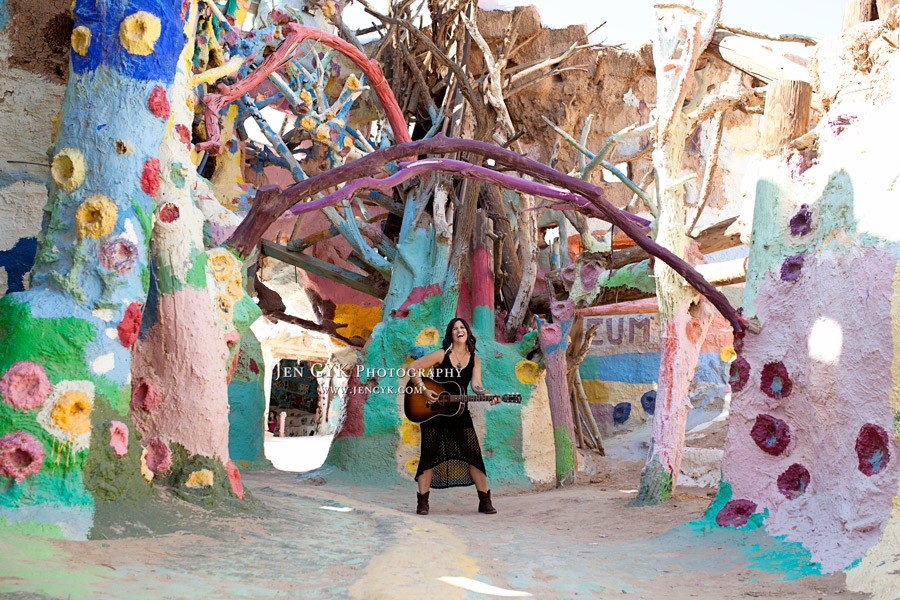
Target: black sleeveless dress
(449,444)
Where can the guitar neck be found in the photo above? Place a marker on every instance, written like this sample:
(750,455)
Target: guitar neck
(476,398)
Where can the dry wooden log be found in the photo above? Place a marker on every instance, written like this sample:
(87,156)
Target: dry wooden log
(884,6)
(712,238)
(753,58)
(859,11)
(786,115)
(725,273)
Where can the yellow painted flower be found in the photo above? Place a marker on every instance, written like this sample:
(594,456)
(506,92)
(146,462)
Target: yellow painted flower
(96,217)
(224,306)
(348,141)
(307,123)
(412,465)
(353,83)
(66,414)
(727,354)
(222,265)
(322,133)
(527,372)
(329,115)
(68,168)
(235,287)
(81,39)
(200,479)
(329,10)
(410,433)
(305,96)
(429,336)
(338,122)
(139,32)
(72,413)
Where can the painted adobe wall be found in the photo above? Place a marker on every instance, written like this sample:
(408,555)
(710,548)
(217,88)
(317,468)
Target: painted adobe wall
(620,373)
(34,65)
(811,452)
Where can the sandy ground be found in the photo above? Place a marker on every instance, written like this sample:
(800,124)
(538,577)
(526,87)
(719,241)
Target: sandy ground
(342,540)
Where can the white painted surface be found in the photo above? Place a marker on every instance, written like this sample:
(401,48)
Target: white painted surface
(297,454)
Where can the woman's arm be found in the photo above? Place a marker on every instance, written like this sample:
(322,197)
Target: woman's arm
(476,381)
(421,365)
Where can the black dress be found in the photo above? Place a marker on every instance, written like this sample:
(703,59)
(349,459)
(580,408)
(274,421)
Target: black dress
(449,444)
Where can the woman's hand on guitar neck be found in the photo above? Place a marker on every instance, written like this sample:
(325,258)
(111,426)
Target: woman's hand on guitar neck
(483,392)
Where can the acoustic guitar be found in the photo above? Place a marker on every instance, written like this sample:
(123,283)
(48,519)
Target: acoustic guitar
(451,401)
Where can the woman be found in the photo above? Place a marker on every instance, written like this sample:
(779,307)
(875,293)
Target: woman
(450,455)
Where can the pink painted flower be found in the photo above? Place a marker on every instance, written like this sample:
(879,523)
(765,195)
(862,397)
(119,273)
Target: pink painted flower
(775,381)
(25,385)
(118,437)
(772,435)
(872,449)
(21,454)
(794,481)
(118,255)
(740,373)
(234,476)
(150,176)
(158,103)
(159,457)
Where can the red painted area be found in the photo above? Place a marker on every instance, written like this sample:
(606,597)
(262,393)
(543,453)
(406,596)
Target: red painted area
(736,513)
(464,302)
(772,435)
(483,283)
(159,457)
(667,367)
(169,213)
(254,367)
(130,325)
(184,134)
(416,296)
(145,397)
(793,482)
(234,476)
(158,103)
(150,176)
(693,330)
(353,423)
(234,362)
(872,449)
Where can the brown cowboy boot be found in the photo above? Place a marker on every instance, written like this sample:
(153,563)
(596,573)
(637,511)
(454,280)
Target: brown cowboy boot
(422,507)
(484,503)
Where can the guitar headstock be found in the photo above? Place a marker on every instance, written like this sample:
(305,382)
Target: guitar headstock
(511,398)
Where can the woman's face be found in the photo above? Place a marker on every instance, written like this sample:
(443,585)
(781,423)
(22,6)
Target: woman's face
(459,332)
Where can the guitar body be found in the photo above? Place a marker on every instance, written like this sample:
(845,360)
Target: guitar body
(418,410)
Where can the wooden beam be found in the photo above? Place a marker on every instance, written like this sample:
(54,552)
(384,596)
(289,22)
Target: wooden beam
(752,57)
(635,307)
(712,238)
(351,279)
(724,273)
(786,116)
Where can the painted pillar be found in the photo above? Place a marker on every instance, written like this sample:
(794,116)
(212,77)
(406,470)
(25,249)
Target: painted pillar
(554,340)
(66,438)
(676,47)
(482,281)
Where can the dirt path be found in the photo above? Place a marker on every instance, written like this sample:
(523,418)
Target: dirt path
(580,542)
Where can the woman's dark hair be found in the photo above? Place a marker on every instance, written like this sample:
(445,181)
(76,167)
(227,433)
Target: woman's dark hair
(470,339)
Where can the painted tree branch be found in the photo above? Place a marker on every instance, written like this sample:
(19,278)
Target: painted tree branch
(264,213)
(288,49)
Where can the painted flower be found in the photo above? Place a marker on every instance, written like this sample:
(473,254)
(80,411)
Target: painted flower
(234,477)
(772,435)
(81,40)
(305,96)
(67,413)
(222,265)
(801,223)
(159,457)
(225,306)
(25,385)
(200,479)
(774,381)
(735,513)
(118,437)
(323,133)
(130,325)
(793,482)
(139,32)
(118,254)
(21,455)
(96,217)
(527,372)
(740,373)
(235,287)
(145,396)
(307,123)
(872,449)
(353,82)
(791,268)
(68,168)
